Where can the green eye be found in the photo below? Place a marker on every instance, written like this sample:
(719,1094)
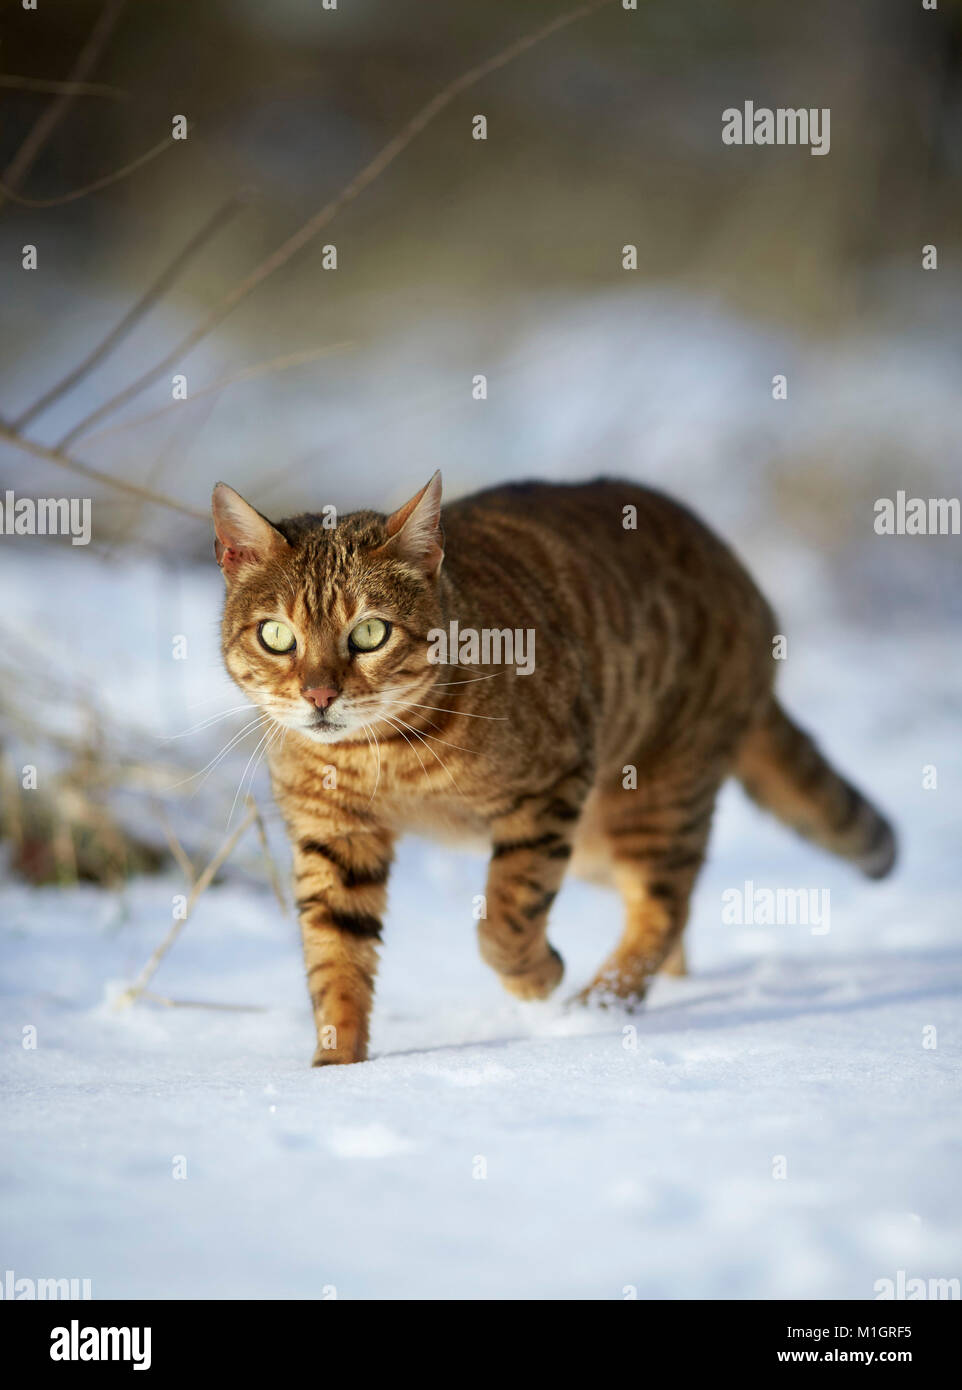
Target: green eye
(369,635)
(276,637)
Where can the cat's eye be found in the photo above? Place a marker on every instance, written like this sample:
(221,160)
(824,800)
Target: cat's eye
(276,637)
(369,635)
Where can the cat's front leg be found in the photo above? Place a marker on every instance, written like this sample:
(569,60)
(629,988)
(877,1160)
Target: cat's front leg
(530,850)
(341,891)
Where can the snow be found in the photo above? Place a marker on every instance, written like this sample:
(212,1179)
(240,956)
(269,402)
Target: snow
(605,1166)
(492,1149)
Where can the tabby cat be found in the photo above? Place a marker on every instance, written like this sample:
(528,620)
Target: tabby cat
(652,651)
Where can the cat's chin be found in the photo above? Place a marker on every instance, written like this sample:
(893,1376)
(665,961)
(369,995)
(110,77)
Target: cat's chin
(326,733)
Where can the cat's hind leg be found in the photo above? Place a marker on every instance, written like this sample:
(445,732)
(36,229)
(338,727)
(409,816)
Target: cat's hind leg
(657,844)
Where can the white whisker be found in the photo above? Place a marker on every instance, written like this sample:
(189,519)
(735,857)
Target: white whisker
(410,745)
(208,722)
(376,747)
(448,744)
(196,704)
(269,732)
(459,713)
(375,708)
(434,754)
(439,684)
(248,728)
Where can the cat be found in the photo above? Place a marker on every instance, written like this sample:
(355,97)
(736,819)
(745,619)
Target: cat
(650,683)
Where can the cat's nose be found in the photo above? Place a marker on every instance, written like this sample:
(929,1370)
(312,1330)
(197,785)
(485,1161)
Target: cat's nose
(320,695)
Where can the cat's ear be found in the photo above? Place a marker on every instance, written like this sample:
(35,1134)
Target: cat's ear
(415,530)
(243,538)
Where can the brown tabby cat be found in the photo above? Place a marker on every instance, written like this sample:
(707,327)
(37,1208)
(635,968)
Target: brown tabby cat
(653,651)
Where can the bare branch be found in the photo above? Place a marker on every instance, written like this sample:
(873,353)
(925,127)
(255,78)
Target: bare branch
(22,162)
(177,850)
(6,192)
(321,219)
(202,1004)
(200,887)
(267,368)
(74,89)
(141,493)
(221,216)
(63,460)
(272,870)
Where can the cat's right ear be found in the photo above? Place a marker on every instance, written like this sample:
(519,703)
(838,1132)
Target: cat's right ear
(414,530)
(243,538)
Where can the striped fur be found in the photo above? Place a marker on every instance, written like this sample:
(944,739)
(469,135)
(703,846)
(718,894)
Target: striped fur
(653,652)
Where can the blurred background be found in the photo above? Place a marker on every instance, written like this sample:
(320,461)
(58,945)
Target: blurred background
(125,758)
(502,257)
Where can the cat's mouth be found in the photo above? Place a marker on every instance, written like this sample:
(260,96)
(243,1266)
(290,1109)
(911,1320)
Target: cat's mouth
(328,728)
(332,725)
(324,726)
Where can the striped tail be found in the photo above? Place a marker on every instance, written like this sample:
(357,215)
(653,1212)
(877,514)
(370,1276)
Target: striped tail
(782,770)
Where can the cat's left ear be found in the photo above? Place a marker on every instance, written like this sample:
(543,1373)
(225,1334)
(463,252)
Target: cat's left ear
(243,538)
(415,530)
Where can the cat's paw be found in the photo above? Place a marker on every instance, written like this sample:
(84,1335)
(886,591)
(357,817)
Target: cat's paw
(607,993)
(338,1056)
(538,983)
(330,1057)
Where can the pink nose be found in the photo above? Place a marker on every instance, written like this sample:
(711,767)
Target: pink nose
(320,695)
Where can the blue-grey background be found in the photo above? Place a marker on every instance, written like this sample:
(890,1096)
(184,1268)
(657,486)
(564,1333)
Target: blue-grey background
(608,1167)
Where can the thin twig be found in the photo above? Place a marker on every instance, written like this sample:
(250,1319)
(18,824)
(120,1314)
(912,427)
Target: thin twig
(272,872)
(22,162)
(6,192)
(310,229)
(11,818)
(202,1004)
(218,219)
(96,475)
(273,364)
(74,89)
(180,442)
(177,850)
(200,887)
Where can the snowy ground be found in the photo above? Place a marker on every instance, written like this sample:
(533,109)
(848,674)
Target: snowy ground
(492,1149)
(605,1166)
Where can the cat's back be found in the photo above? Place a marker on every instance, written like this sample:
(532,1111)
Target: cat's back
(605,521)
(559,502)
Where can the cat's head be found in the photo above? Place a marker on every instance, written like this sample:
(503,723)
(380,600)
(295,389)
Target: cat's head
(325,625)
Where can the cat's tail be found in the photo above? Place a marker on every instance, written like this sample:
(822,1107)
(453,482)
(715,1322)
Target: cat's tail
(783,771)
